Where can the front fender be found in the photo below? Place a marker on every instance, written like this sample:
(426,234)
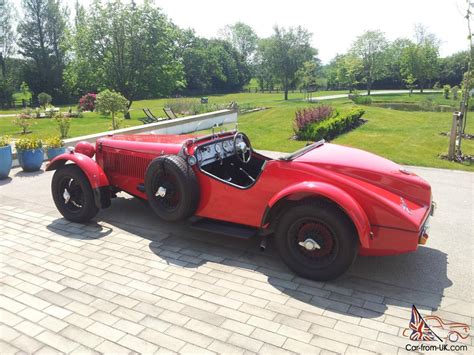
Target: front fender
(91,169)
(345,201)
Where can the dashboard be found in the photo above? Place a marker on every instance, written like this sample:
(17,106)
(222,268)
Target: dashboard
(218,149)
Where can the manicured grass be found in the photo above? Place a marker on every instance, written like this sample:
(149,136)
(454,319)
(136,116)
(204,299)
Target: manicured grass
(437,98)
(410,138)
(45,127)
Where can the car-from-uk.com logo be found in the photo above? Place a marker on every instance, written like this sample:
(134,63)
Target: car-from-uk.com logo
(438,334)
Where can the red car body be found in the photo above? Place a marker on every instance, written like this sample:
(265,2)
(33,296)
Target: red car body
(388,205)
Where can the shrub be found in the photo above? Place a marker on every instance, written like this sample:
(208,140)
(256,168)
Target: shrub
(28,144)
(4,141)
(44,99)
(112,102)
(455,91)
(54,142)
(361,100)
(23,121)
(64,124)
(87,102)
(446,89)
(332,127)
(305,117)
(428,104)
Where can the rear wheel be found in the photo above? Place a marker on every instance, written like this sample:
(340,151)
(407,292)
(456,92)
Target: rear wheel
(73,194)
(317,240)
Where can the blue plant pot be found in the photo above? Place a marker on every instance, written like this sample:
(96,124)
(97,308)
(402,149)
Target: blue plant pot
(31,160)
(5,161)
(54,152)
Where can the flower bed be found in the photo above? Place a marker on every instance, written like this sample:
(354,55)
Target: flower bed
(330,127)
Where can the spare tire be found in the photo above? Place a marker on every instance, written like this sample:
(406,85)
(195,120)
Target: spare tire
(172,188)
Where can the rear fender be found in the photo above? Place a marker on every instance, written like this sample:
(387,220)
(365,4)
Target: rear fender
(350,206)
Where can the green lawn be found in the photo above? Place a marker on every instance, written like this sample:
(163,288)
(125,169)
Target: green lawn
(410,138)
(45,127)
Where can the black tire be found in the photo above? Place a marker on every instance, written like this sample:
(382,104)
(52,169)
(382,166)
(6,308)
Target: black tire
(181,196)
(333,233)
(80,207)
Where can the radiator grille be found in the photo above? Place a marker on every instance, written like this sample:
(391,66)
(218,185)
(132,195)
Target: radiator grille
(125,163)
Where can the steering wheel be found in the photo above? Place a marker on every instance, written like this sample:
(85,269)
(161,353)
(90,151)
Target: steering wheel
(242,147)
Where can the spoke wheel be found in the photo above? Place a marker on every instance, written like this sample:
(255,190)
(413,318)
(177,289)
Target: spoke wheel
(73,194)
(316,240)
(167,193)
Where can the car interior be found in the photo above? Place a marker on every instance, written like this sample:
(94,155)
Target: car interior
(239,166)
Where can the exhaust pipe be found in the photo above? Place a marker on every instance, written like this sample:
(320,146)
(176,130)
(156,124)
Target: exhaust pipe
(263,244)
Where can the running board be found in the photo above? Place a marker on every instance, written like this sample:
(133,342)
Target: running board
(225,228)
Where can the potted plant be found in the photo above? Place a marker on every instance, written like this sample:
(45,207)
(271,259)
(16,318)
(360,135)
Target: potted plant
(30,153)
(55,147)
(5,157)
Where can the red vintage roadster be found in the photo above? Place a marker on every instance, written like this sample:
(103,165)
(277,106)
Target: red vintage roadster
(324,203)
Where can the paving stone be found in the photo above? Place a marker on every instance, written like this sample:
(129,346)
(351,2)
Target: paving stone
(337,335)
(237,327)
(208,329)
(108,347)
(299,347)
(105,331)
(29,328)
(292,322)
(162,339)
(54,324)
(57,341)
(129,327)
(140,345)
(86,338)
(190,336)
(9,318)
(221,347)
(268,337)
(25,343)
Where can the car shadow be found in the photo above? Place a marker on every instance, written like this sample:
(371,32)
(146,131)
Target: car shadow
(373,287)
(29,174)
(5,181)
(91,230)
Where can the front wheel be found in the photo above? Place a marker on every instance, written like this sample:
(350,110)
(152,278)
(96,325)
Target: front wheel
(317,240)
(73,194)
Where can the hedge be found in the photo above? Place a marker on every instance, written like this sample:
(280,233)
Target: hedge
(332,127)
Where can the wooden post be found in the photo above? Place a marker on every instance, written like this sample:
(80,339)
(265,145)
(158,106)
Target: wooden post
(453,135)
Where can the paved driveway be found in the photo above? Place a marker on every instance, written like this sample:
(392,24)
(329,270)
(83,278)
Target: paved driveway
(129,282)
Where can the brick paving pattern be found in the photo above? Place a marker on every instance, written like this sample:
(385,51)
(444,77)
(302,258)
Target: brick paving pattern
(99,288)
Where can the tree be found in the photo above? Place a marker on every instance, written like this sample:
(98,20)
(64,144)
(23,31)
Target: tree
(370,48)
(262,69)
(242,37)
(44,99)
(349,69)
(7,40)
(420,59)
(108,101)
(126,47)
(285,52)
(42,42)
(307,75)
(213,66)
(452,68)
